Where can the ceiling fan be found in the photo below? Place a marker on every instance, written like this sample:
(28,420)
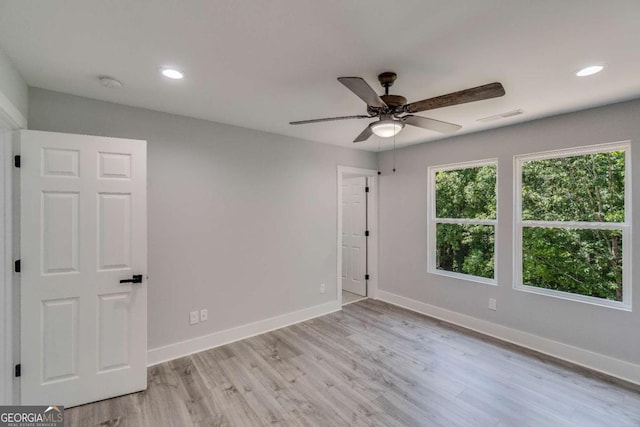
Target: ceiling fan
(394,113)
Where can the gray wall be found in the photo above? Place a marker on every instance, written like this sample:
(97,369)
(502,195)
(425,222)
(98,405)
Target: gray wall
(243,222)
(403,239)
(240,222)
(12,85)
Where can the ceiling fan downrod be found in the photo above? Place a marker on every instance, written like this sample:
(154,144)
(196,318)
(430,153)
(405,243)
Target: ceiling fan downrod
(387,79)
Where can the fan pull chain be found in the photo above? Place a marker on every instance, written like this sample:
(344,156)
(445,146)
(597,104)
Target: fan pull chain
(394,153)
(378,139)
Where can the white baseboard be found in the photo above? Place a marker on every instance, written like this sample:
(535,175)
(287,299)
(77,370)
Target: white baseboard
(598,362)
(227,336)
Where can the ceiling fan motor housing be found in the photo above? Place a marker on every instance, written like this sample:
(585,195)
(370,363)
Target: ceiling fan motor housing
(395,102)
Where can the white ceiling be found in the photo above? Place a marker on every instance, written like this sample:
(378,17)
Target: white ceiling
(261,64)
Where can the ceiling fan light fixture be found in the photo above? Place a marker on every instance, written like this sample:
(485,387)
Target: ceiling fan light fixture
(387,128)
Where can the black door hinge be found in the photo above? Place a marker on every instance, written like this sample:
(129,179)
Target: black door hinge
(366,233)
(366,189)
(18,371)
(16,161)
(16,266)
(367,277)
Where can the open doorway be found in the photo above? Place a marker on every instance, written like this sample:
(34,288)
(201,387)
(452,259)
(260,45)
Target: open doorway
(357,232)
(354,239)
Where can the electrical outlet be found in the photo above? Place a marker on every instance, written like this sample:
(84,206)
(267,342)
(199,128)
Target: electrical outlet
(204,315)
(323,288)
(193,317)
(493,304)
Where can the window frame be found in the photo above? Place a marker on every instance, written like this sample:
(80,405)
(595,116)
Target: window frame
(624,227)
(433,221)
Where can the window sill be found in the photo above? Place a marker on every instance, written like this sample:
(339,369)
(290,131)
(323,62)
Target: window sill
(574,297)
(462,276)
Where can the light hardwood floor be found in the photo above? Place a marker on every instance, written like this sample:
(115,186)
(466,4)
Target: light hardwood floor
(350,297)
(372,364)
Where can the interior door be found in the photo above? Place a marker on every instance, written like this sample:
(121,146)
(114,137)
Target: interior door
(82,231)
(354,242)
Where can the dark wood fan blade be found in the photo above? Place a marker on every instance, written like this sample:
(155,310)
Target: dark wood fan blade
(492,90)
(362,89)
(431,124)
(329,119)
(366,133)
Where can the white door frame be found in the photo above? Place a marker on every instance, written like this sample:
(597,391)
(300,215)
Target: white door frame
(10,120)
(345,172)
(6,384)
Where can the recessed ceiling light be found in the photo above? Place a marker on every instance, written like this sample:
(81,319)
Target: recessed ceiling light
(590,70)
(172,73)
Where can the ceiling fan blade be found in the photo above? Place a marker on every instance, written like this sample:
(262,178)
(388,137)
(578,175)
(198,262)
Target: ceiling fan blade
(431,124)
(362,89)
(491,90)
(329,119)
(364,135)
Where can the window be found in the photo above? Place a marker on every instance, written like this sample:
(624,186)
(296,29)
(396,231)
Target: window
(462,220)
(573,224)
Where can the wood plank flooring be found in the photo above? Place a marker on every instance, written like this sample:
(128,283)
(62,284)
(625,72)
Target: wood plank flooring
(372,364)
(350,297)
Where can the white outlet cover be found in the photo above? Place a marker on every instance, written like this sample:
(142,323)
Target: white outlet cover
(323,288)
(194,318)
(204,315)
(493,304)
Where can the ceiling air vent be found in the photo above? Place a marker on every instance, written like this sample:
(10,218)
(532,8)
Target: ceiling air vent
(501,116)
(109,82)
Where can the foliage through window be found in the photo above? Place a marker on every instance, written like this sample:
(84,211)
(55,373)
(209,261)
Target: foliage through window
(463,220)
(573,235)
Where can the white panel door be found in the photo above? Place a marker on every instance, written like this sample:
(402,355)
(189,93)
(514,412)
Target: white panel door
(354,242)
(83,229)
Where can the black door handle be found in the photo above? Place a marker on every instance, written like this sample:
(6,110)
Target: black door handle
(137,278)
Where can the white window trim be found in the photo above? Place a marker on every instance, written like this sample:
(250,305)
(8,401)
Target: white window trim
(624,227)
(432,221)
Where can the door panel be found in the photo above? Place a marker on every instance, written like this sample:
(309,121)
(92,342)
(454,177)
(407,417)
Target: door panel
(354,224)
(115,165)
(345,261)
(59,162)
(59,232)
(83,229)
(114,228)
(60,333)
(113,331)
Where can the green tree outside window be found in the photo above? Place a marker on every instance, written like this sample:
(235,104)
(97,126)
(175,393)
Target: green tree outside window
(572,224)
(465,218)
